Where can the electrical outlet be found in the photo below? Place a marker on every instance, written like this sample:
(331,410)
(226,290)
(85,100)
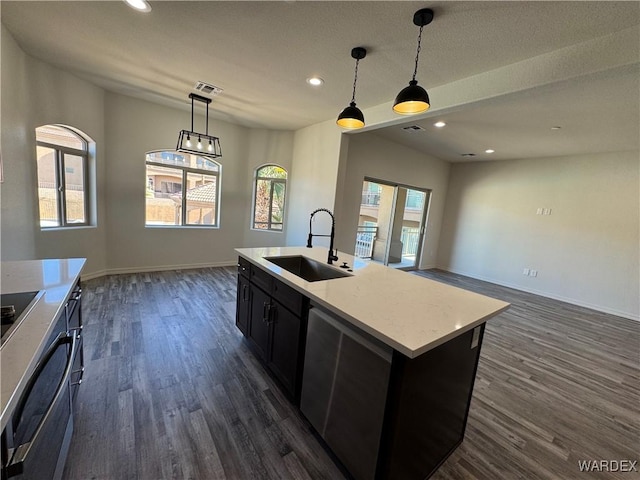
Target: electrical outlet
(533,273)
(525,271)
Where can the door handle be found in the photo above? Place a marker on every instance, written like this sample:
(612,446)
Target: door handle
(76,330)
(273,314)
(77,294)
(266,307)
(20,454)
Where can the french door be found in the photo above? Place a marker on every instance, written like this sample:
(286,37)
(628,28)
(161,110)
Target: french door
(392,222)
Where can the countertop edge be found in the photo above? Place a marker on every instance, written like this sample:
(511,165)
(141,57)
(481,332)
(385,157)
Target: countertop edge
(403,349)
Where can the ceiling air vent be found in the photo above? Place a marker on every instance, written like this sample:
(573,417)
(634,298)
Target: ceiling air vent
(208,88)
(413,128)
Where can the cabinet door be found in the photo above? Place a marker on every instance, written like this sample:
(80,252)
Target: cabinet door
(243,305)
(289,297)
(259,324)
(243,267)
(285,342)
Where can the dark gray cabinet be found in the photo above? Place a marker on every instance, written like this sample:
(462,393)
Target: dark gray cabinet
(283,359)
(243,305)
(384,415)
(272,316)
(259,321)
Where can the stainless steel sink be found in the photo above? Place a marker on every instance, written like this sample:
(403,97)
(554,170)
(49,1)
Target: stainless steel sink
(306,268)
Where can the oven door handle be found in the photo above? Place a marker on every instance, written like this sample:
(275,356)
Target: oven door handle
(20,454)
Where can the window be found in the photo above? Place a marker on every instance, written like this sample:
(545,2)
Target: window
(181,189)
(268,207)
(63,162)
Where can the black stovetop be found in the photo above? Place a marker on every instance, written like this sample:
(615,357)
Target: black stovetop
(21,301)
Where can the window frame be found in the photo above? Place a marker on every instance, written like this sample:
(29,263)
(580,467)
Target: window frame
(61,195)
(272,181)
(184,177)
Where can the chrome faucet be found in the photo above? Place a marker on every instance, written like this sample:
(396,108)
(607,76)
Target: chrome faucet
(331,256)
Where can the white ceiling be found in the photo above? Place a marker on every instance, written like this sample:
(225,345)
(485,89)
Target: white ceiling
(596,114)
(260,53)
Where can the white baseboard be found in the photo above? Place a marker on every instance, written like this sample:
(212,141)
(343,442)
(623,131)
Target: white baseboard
(427,267)
(157,268)
(573,301)
(92,275)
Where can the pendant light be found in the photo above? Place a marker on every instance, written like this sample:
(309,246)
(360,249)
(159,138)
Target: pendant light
(352,117)
(185,144)
(414,99)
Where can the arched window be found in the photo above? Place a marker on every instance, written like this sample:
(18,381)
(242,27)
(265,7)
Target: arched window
(269,195)
(63,167)
(181,190)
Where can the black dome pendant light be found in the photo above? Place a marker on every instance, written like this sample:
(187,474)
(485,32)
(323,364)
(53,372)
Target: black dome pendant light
(415,99)
(352,117)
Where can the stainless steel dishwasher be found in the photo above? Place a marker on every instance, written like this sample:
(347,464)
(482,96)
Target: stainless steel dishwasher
(344,389)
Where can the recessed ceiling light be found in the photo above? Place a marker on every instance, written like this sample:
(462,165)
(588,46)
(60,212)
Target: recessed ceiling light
(557,127)
(315,81)
(439,124)
(489,150)
(140,5)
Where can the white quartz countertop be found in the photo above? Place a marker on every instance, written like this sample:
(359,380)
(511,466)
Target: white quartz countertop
(412,314)
(19,355)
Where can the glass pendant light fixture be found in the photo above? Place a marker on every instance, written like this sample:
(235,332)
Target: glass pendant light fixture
(351,117)
(414,99)
(184,137)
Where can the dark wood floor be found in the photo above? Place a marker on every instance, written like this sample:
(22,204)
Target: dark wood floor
(171,390)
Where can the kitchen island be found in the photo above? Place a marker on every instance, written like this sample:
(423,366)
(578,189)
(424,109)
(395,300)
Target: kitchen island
(382,363)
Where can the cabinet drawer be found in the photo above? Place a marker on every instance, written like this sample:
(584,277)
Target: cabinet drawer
(289,297)
(243,267)
(261,278)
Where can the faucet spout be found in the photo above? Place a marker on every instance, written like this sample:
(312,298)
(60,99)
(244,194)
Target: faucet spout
(331,257)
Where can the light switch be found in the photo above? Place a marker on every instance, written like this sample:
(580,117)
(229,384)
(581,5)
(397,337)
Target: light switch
(539,211)
(525,271)
(533,273)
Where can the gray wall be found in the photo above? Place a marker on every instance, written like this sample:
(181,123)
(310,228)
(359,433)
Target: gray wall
(585,252)
(34,94)
(370,155)
(316,156)
(135,127)
(124,129)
